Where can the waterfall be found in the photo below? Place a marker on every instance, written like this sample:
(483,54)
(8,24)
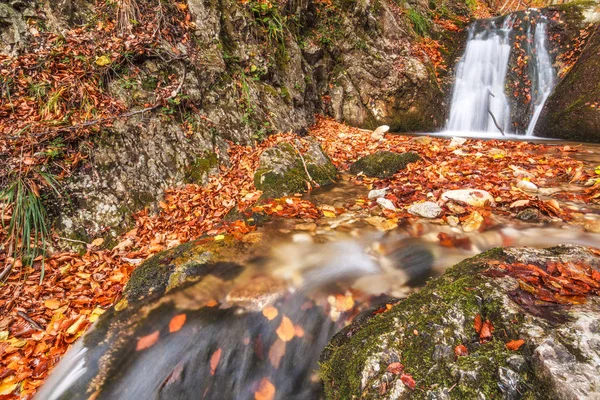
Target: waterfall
(545,73)
(479,86)
(479,97)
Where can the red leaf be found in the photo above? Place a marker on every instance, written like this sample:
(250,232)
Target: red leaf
(214,361)
(408,381)
(395,368)
(147,341)
(515,344)
(477,324)
(486,330)
(176,323)
(461,350)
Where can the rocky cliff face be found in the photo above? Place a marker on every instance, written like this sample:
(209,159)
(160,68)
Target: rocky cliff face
(239,72)
(572,112)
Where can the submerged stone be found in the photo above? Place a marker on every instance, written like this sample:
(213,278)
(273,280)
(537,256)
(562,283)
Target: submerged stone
(383,164)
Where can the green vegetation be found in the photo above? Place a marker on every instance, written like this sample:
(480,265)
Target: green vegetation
(268,17)
(28,230)
(419,22)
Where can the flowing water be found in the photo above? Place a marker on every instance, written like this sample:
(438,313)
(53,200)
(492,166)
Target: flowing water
(479,103)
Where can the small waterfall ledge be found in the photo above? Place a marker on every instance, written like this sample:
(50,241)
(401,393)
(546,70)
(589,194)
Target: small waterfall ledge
(479,97)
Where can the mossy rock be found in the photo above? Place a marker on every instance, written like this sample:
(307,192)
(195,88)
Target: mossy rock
(383,164)
(281,171)
(422,333)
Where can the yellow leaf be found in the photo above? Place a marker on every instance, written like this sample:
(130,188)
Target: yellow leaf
(103,61)
(121,305)
(3,335)
(98,311)
(52,304)
(97,242)
(329,214)
(286,330)
(8,388)
(270,312)
(219,237)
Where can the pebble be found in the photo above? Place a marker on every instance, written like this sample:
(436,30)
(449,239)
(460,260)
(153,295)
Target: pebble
(380,132)
(309,226)
(386,204)
(473,222)
(592,226)
(381,223)
(527,186)
(452,220)
(375,194)
(472,197)
(422,140)
(428,209)
(455,208)
(529,215)
(457,142)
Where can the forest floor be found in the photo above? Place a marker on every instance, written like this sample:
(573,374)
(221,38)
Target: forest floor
(41,320)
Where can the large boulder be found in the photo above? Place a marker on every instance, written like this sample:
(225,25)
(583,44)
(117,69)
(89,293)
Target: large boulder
(283,171)
(510,323)
(572,112)
(383,164)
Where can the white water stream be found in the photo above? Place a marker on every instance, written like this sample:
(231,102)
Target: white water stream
(479,102)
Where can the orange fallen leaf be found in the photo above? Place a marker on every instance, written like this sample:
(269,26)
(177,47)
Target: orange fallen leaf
(461,350)
(486,330)
(214,361)
(147,341)
(515,344)
(276,352)
(408,381)
(286,330)
(270,313)
(266,390)
(477,324)
(176,323)
(298,331)
(395,368)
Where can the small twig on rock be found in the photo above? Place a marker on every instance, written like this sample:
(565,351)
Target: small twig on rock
(27,318)
(305,167)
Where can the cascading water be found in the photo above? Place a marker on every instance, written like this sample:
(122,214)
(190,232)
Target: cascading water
(545,73)
(479,99)
(479,87)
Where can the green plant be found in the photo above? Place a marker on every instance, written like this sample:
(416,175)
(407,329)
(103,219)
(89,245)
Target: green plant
(270,20)
(419,22)
(27,230)
(38,90)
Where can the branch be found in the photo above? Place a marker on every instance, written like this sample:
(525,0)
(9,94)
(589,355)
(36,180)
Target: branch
(496,123)
(305,167)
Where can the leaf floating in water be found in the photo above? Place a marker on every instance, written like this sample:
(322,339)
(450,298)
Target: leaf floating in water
(176,323)
(286,330)
(147,341)
(266,390)
(515,344)
(270,313)
(276,352)
(214,361)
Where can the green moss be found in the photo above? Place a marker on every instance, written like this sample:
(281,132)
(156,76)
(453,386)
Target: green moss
(150,83)
(383,164)
(200,169)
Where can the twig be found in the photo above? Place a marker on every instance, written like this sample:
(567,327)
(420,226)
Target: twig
(71,240)
(304,164)
(27,318)
(6,271)
(496,123)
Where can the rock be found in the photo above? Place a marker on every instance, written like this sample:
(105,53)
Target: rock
(281,171)
(380,132)
(527,186)
(427,209)
(386,204)
(383,164)
(375,194)
(452,220)
(471,197)
(473,222)
(381,223)
(457,142)
(558,359)
(424,140)
(455,208)
(572,110)
(529,215)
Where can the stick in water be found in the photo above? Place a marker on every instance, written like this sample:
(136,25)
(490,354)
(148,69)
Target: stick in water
(496,123)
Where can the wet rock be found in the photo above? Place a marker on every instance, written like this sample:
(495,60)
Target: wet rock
(471,197)
(383,164)
(386,204)
(527,186)
(375,194)
(281,171)
(592,226)
(381,223)
(529,215)
(457,142)
(380,132)
(427,209)
(455,208)
(558,359)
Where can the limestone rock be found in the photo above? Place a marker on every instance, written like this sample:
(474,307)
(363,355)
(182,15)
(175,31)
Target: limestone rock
(527,186)
(471,197)
(383,164)
(386,204)
(377,193)
(281,171)
(559,357)
(426,209)
(380,132)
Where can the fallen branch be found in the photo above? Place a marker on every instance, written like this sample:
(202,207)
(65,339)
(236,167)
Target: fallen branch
(31,322)
(305,166)
(496,123)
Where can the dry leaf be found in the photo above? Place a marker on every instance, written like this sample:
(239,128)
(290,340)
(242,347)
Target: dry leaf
(176,323)
(147,341)
(515,344)
(286,330)
(214,361)
(270,313)
(266,390)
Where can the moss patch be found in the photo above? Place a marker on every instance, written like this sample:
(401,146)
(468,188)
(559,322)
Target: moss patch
(383,164)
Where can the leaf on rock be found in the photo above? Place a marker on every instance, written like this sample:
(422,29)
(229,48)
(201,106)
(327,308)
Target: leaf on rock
(214,361)
(515,344)
(270,313)
(266,390)
(395,368)
(147,341)
(461,350)
(177,322)
(408,381)
(286,330)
